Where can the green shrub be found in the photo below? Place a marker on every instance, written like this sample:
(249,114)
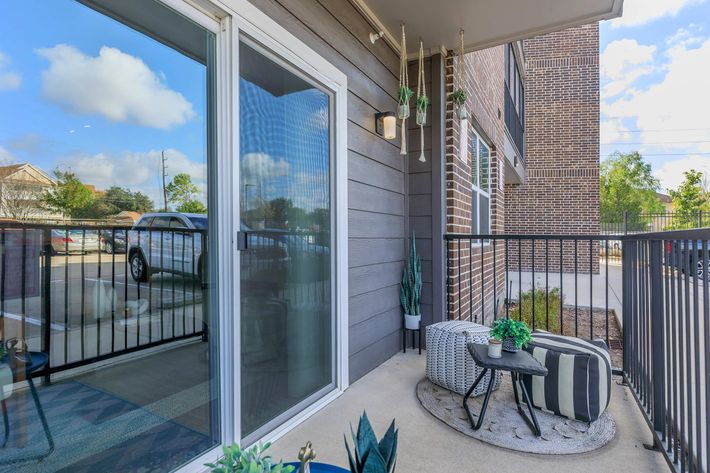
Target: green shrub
(543,306)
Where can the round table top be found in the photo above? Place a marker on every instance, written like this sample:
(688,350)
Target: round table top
(321,468)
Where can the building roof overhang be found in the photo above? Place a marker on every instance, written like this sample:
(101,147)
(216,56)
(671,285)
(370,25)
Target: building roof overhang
(485,23)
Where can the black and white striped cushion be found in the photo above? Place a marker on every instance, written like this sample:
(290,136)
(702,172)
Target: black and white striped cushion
(578,383)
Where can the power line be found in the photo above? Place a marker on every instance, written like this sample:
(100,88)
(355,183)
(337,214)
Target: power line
(663,130)
(655,143)
(666,154)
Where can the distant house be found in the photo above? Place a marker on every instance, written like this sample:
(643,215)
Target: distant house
(21,190)
(666,200)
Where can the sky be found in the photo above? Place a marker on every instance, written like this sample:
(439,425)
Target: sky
(82,92)
(655,85)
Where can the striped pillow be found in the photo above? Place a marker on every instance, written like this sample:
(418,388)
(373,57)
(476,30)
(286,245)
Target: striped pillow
(578,383)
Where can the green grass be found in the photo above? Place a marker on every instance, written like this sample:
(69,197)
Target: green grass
(543,306)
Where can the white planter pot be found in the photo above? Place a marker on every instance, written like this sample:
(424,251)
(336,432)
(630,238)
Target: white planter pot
(412,322)
(494,349)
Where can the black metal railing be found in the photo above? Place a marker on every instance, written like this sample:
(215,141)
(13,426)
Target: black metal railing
(556,283)
(666,307)
(514,124)
(84,294)
(650,301)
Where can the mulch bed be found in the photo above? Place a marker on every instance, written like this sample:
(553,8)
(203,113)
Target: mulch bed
(576,323)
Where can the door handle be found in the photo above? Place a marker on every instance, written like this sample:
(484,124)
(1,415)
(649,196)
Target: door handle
(241,241)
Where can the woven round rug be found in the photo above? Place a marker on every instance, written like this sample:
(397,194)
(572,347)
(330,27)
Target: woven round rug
(504,427)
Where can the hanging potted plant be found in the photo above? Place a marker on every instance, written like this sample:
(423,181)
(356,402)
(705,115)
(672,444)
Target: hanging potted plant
(404,93)
(513,333)
(411,289)
(459,96)
(422,101)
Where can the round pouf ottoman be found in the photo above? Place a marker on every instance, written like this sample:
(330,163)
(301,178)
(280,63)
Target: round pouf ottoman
(448,363)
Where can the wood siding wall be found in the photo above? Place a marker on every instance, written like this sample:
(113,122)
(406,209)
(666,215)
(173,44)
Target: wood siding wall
(376,171)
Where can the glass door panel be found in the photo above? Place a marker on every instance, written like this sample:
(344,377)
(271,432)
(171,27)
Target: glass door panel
(287,341)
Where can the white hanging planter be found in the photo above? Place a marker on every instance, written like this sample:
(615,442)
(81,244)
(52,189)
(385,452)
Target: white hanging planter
(412,322)
(403,111)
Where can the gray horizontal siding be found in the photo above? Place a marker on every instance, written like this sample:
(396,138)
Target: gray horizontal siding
(376,194)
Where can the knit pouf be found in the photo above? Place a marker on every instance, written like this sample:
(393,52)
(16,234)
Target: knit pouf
(448,362)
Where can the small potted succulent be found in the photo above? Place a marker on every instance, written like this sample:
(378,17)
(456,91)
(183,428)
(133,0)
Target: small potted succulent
(459,98)
(513,334)
(236,460)
(411,289)
(368,455)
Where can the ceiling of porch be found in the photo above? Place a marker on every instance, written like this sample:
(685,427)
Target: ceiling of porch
(485,23)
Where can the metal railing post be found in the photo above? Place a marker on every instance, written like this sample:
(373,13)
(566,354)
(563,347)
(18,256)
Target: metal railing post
(626,222)
(700,219)
(628,253)
(657,335)
(47,298)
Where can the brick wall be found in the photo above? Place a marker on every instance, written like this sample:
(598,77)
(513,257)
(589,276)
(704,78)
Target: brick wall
(475,286)
(561,192)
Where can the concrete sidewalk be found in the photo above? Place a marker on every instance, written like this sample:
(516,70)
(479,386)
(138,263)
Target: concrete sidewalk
(601,287)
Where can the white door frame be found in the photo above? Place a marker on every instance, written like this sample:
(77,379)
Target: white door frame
(228,19)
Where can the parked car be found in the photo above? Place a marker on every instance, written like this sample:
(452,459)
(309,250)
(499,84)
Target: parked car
(687,249)
(113,240)
(74,241)
(166,242)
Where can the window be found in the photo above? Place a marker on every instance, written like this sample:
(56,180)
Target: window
(112,103)
(481,186)
(514,82)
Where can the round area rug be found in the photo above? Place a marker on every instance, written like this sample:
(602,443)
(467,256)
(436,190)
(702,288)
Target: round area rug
(503,426)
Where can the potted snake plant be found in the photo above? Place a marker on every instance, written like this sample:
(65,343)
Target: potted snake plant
(411,289)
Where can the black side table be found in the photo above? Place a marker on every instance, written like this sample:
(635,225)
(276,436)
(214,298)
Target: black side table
(517,363)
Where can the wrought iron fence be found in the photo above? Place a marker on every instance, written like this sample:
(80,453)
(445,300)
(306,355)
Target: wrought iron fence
(85,294)
(654,222)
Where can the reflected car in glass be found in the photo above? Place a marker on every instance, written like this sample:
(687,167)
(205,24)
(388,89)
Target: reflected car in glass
(75,241)
(167,242)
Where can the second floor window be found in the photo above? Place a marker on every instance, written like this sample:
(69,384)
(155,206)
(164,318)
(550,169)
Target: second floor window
(481,186)
(514,82)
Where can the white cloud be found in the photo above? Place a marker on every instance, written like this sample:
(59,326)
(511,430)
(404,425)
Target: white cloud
(675,103)
(115,85)
(9,80)
(6,157)
(260,166)
(137,171)
(639,12)
(670,173)
(686,36)
(622,63)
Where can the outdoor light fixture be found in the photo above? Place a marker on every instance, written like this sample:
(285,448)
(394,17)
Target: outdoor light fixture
(386,125)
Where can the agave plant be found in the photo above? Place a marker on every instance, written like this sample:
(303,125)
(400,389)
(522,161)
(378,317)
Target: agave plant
(411,287)
(368,455)
(253,460)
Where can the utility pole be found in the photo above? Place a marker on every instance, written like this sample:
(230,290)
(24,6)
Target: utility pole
(163,160)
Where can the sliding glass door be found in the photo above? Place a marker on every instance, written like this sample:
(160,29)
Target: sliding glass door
(286,258)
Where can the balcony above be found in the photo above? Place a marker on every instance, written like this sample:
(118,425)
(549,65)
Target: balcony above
(485,23)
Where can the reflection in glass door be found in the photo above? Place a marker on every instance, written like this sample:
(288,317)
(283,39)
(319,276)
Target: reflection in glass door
(287,338)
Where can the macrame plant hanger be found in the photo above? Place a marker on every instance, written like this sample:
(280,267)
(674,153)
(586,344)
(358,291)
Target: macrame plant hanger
(459,98)
(422,101)
(404,92)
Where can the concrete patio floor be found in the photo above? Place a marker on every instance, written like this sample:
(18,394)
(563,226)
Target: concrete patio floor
(426,444)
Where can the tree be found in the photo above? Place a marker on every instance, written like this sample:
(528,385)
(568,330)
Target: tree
(689,199)
(124,199)
(181,190)
(69,195)
(192,207)
(627,186)
(19,200)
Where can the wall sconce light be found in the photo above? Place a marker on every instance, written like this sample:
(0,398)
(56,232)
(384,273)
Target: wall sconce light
(386,125)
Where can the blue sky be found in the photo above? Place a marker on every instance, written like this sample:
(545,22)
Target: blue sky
(82,92)
(654,85)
